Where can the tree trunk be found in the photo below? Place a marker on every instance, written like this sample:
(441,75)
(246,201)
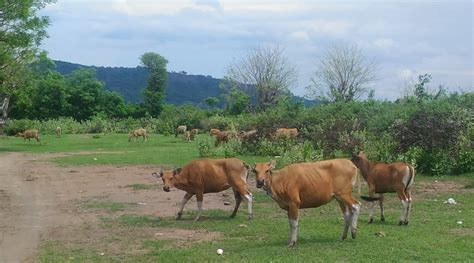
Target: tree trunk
(4,113)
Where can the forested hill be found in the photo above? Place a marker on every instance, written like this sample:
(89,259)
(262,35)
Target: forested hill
(181,88)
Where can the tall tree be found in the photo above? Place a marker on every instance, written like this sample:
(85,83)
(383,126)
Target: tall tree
(343,74)
(154,93)
(21,33)
(266,70)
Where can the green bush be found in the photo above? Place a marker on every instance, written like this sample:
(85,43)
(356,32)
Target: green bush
(302,152)
(206,146)
(15,126)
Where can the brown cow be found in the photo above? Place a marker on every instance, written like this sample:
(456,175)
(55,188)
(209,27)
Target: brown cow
(214,132)
(224,136)
(194,132)
(286,133)
(209,176)
(187,136)
(243,135)
(140,132)
(28,134)
(386,178)
(308,185)
(180,129)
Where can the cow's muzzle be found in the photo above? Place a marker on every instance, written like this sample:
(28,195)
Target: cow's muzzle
(166,188)
(259,183)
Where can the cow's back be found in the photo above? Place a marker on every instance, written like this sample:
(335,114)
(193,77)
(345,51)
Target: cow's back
(210,176)
(389,179)
(315,184)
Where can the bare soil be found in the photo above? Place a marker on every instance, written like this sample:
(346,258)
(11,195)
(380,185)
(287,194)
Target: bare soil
(41,201)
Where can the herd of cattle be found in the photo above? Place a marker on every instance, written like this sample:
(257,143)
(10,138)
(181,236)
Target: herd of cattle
(294,187)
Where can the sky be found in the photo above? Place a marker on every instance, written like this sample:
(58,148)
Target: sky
(404,38)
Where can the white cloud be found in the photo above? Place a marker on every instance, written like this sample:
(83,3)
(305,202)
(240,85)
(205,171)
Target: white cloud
(162,7)
(300,36)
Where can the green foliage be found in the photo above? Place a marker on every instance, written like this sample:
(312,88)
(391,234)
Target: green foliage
(232,148)
(301,152)
(154,93)
(206,146)
(211,101)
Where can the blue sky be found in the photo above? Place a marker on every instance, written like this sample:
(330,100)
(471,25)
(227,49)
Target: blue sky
(404,38)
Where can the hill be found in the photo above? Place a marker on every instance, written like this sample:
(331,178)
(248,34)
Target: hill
(181,88)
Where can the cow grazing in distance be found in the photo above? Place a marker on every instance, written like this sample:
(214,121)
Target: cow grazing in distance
(309,185)
(58,132)
(180,129)
(194,132)
(140,132)
(203,176)
(247,135)
(214,132)
(187,136)
(386,178)
(29,134)
(224,136)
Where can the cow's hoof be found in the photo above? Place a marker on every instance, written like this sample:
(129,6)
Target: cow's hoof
(343,237)
(370,221)
(400,222)
(382,219)
(232,216)
(353,235)
(405,223)
(250,217)
(291,244)
(178,216)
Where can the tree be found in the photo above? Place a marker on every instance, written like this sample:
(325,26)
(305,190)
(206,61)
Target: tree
(237,102)
(267,71)
(85,94)
(343,74)
(154,93)
(211,101)
(21,33)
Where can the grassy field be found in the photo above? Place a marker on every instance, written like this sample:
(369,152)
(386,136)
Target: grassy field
(434,232)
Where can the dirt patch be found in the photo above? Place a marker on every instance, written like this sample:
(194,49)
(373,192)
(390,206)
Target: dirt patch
(463,232)
(41,201)
(432,187)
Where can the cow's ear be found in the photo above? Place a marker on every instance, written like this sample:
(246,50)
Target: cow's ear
(176,171)
(272,164)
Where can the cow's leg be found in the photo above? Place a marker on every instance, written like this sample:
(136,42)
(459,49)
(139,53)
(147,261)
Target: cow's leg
(347,217)
(186,198)
(371,204)
(382,211)
(408,194)
(351,209)
(238,200)
(405,206)
(355,209)
(245,194)
(199,198)
(293,213)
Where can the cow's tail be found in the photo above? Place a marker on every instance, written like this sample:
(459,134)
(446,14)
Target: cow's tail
(411,179)
(356,180)
(369,198)
(247,170)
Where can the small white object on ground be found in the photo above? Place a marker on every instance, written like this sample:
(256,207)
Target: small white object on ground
(226,203)
(95,159)
(459,222)
(450,201)
(220,251)
(102,254)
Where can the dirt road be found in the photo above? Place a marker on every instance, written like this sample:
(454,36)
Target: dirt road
(40,201)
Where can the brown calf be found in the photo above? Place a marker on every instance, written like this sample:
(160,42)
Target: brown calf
(308,185)
(194,132)
(286,133)
(209,176)
(180,129)
(140,132)
(386,178)
(187,136)
(29,134)
(214,132)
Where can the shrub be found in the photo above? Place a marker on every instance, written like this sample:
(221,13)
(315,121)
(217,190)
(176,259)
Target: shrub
(206,147)
(303,152)
(15,126)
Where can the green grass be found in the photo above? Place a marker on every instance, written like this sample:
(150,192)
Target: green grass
(112,149)
(105,205)
(432,235)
